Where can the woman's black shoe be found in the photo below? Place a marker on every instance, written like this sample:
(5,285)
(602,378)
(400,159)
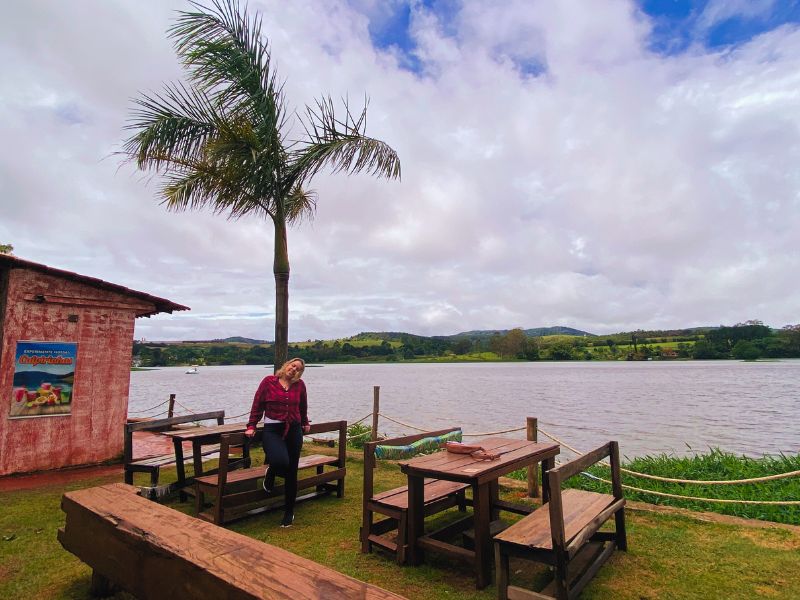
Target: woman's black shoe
(288,519)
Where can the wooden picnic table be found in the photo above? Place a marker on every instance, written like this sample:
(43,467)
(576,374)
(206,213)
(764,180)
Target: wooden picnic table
(482,476)
(198,436)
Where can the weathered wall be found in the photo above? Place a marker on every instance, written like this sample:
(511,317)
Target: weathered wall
(93,432)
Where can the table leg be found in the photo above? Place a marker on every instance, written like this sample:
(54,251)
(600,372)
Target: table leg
(179,466)
(416,517)
(197,458)
(547,464)
(483,538)
(494,496)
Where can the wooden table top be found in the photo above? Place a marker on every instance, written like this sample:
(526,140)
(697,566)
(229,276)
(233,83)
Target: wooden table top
(514,454)
(193,433)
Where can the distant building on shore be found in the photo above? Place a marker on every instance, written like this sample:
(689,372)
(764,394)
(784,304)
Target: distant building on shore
(65,358)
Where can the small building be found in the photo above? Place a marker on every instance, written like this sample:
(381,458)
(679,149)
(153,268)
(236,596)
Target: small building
(65,358)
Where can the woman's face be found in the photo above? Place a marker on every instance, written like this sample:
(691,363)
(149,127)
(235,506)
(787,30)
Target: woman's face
(293,368)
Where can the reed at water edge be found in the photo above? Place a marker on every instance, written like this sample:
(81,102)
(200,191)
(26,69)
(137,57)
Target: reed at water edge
(714,465)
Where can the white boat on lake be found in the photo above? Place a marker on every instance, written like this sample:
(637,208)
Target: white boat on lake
(193,371)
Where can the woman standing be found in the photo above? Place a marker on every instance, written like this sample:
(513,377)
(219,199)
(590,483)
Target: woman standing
(281,399)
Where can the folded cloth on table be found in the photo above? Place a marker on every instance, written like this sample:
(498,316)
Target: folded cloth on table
(473,450)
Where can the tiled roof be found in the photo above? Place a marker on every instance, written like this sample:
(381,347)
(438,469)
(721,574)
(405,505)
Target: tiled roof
(8,261)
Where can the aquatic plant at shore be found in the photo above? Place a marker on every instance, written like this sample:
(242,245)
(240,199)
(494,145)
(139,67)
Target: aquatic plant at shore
(716,465)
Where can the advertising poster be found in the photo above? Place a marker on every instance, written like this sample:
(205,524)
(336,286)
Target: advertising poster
(44,373)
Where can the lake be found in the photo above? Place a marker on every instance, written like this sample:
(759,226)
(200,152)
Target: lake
(649,407)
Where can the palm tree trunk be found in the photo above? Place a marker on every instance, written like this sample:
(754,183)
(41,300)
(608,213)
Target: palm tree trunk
(280,268)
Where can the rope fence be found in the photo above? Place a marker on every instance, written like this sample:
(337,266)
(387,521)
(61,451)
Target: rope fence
(376,414)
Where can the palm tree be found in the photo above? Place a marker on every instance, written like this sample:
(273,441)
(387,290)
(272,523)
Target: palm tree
(223,141)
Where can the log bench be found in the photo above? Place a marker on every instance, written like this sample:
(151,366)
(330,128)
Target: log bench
(228,495)
(153,464)
(155,552)
(564,532)
(393,504)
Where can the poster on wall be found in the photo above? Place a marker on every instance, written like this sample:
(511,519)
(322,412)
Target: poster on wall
(44,373)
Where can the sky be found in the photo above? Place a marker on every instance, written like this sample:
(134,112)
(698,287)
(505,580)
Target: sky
(607,165)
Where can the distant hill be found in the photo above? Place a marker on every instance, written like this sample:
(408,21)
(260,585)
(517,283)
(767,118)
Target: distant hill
(535,332)
(243,340)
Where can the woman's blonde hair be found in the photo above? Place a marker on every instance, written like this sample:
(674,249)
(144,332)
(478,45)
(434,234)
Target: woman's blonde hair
(282,371)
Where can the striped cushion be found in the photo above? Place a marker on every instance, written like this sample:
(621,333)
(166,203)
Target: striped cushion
(423,446)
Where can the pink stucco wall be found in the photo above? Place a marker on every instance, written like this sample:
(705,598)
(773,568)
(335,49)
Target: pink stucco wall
(93,432)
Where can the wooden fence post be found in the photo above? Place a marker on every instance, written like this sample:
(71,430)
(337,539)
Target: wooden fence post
(532,431)
(171,408)
(376,405)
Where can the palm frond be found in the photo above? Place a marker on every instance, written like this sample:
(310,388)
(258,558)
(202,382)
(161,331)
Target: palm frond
(226,55)
(199,184)
(341,144)
(175,124)
(300,204)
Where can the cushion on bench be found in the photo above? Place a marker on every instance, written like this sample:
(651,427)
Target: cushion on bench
(424,445)
(580,508)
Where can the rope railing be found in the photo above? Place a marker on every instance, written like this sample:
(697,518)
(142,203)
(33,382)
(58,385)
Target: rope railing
(394,420)
(144,410)
(564,444)
(676,480)
(697,498)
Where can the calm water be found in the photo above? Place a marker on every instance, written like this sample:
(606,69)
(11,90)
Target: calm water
(649,407)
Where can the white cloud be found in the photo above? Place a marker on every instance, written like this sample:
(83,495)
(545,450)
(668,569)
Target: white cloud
(616,189)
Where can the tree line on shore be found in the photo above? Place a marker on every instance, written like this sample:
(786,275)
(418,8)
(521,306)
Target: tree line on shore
(744,341)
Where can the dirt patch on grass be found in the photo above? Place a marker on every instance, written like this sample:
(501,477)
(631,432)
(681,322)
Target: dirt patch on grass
(710,517)
(774,540)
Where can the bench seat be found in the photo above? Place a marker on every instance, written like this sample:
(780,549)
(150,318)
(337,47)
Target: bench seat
(155,552)
(579,507)
(434,490)
(254,473)
(153,464)
(232,494)
(393,504)
(565,532)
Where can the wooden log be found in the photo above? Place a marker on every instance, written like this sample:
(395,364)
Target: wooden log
(155,552)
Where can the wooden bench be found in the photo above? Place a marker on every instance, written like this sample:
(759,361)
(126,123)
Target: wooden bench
(564,533)
(153,464)
(155,552)
(238,494)
(393,504)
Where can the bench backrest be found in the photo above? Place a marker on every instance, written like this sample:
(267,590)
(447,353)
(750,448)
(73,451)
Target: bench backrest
(370,460)
(155,424)
(556,478)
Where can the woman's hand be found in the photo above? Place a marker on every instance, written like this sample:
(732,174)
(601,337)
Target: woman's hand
(306,428)
(250,432)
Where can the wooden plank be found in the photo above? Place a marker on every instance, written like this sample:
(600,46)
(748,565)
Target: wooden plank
(167,422)
(592,526)
(155,552)
(518,593)
(579,507)
(428,543)
(434,490)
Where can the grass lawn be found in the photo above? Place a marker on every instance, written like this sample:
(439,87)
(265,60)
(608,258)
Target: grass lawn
(671,556)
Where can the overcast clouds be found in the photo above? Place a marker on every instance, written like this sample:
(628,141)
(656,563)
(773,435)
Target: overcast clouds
(556,171)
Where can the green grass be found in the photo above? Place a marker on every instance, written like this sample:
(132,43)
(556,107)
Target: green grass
(670,556)
(716,465)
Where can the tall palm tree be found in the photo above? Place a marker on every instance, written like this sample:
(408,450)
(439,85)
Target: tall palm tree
(223,141)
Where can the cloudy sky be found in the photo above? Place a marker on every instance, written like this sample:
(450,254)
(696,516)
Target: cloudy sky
(601,164)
